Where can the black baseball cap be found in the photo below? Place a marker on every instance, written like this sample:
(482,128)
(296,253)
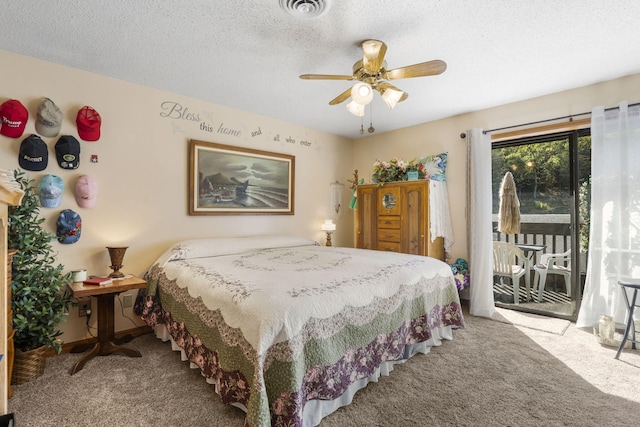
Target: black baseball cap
(34,154)
(68,152)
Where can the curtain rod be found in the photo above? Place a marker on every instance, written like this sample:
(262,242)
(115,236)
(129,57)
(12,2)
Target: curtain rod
(570,117)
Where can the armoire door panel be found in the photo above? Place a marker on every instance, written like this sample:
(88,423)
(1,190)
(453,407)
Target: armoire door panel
(413,224)
(366,222)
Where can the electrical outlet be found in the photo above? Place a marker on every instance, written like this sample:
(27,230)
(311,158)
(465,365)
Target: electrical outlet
(127,301)
(83,306)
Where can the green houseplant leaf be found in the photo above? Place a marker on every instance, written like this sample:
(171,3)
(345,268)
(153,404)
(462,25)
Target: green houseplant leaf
(39,292)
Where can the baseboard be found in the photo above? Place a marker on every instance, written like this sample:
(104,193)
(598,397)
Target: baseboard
(133,333)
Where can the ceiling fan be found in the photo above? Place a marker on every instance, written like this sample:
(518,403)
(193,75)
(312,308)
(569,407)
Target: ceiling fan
(372,74)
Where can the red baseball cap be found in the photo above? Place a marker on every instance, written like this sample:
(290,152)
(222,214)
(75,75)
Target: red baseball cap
(88,122)
(14,118)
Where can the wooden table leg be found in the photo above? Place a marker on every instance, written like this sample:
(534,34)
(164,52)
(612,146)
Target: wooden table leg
(106,327)
(87,356)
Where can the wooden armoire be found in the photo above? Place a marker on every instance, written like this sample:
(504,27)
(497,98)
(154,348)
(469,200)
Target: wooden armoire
(394,217)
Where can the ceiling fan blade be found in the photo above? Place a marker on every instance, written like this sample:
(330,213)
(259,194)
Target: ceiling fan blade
(341,98)
(430,68)
(325,77)
(373,52)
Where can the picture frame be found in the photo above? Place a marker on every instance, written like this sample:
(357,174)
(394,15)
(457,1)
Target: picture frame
(229,180)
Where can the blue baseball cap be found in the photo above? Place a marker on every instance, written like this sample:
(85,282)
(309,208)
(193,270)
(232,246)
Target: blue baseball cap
(51,190)
(68,227)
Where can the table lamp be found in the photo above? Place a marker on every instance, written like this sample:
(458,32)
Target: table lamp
(329,227)
(117,255)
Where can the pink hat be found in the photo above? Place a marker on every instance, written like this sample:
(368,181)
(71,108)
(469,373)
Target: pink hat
(14,118)
(88,121)
(86,191)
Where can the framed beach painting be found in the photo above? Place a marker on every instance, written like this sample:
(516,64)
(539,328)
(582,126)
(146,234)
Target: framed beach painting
(227,180)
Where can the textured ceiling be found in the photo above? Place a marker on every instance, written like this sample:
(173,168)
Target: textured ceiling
(249,54)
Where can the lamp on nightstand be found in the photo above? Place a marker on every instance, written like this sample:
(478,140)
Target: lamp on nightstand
(329,227)
(117,255)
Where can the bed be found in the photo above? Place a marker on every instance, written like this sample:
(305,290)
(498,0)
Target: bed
(289,330)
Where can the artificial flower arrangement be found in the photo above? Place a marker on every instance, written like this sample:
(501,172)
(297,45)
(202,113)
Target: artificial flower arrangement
(397,170)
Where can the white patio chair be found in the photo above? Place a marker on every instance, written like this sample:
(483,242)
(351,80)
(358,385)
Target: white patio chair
(509,261)
(552,264)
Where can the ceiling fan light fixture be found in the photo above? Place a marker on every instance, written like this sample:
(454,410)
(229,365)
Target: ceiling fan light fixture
(391,97)
(305,8)
(371,73)
(362,93)
(355,108)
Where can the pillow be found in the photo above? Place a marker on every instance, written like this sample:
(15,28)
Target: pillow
(436,166)
(203,248)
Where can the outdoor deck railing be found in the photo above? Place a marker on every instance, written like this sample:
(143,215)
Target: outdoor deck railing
(555,236)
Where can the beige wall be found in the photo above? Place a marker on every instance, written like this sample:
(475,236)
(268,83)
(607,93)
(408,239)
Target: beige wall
(142,169)
(444,136)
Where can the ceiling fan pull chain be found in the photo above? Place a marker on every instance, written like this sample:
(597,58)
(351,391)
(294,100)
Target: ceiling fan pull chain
(371,128)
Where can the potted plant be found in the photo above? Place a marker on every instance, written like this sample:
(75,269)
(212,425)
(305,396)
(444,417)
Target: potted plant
(39,293)
(396,170)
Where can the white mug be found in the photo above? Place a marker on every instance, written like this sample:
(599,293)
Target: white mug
(79,275)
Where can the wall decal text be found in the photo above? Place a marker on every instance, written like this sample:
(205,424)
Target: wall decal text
(227,131)
(180,114)
(204,126)
(174,110)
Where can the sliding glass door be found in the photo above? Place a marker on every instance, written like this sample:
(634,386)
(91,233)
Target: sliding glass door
(551,177)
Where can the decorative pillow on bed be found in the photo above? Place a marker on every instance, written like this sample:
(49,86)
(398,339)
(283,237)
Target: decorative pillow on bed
(436,166)
(203,248)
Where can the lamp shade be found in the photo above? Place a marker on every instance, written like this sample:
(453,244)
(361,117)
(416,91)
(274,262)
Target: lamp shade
(391,97)
(328,225)
(356,109)
(390,94)
(362,93)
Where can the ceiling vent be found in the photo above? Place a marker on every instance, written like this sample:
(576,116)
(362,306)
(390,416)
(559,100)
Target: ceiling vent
(305,8)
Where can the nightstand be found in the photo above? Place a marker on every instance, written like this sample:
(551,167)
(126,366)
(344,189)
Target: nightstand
(106,296)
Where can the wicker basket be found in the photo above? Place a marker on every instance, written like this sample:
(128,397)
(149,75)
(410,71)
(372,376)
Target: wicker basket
(28,365)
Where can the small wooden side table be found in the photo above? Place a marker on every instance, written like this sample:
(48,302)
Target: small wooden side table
(634,286)
(106,325)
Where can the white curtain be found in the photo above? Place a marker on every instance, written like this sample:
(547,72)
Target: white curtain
(614,239)
(479,223)
(439,214)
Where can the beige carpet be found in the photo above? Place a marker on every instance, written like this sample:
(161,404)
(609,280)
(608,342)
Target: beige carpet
(532,321)
(492,374)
